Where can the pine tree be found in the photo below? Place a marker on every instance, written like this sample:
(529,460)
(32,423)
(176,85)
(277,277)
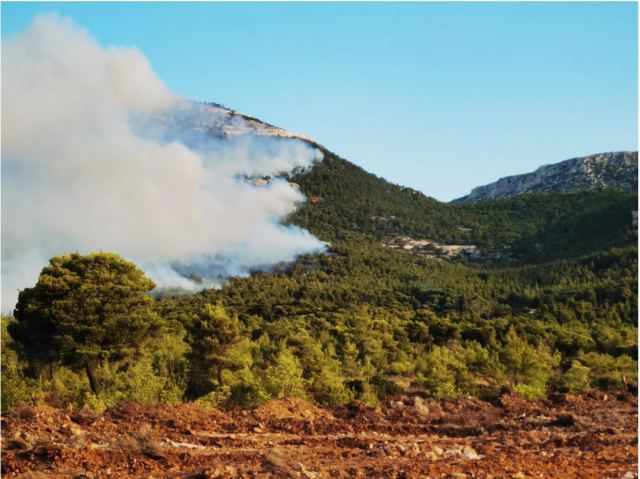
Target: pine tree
(85,310)
(211,336)
(283,379)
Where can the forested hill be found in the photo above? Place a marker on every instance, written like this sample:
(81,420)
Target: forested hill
(534,226)
(545,300)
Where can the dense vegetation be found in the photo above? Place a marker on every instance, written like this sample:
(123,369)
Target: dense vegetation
(364,321)
(537,227)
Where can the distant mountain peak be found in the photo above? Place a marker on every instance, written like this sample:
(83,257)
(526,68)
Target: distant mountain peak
(603,170)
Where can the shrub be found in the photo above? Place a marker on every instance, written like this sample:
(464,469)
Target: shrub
(329,388)
(576,378)
(216,398)
(384,388)
(15,387)
(608,372)
(246,395)
(67,387)
(442,372)
(527,367)
(283,379)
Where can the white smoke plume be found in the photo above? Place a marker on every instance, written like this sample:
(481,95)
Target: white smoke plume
(98,154)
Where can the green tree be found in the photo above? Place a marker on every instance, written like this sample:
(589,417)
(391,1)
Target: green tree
(528,368)
(211,337)
(443,371)
(84,311)
(576,378)
(283,379)
(609,372)
(14,385)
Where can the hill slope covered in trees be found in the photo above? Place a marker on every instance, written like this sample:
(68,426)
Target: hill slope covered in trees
(532,226)
(547,303)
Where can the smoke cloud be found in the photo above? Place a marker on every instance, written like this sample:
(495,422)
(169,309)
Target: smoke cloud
(98,154)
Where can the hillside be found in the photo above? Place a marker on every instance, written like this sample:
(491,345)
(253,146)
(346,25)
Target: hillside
(562,215)
(589,173)
(556,219)
(526,228)
(545,302)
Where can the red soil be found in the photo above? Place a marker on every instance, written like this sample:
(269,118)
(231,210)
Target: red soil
(565,436)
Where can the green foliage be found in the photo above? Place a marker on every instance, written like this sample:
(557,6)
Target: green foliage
(67,387)
(443,372)
(555,308)
(283,378)
(216,398)
(97,403)
(576,378)
(158,374)
(384,387)
(84,310)
(15,387)
(608,372)
(364,312)
(535,227)
(527,367)
(167,356)
(211,335)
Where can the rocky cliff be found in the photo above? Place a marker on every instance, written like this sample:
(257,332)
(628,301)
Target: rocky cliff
(605,170)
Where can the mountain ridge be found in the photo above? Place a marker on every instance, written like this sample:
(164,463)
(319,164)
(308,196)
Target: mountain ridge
(587,173)
(345,199)
(597,171)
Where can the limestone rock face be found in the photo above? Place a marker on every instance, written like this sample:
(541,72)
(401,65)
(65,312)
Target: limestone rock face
(605,170)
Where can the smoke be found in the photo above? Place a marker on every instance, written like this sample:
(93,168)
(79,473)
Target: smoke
(98,154)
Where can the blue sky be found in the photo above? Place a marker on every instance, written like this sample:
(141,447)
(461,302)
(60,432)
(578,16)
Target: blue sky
(441,97)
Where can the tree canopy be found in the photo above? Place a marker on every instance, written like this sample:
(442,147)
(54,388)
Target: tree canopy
(84,310)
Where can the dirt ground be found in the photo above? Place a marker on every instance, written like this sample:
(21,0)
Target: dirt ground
(563,436)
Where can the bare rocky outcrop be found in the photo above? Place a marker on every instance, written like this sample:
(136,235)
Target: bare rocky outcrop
(604,170)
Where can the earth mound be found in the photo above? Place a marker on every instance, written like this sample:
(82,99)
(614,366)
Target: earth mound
(295,409)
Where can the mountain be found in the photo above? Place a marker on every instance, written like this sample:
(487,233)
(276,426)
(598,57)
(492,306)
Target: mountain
(535,293)
(532,227)
(604,170)
(448,299)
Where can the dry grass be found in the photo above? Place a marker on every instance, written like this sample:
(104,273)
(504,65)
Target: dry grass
(24,412)
(145,441)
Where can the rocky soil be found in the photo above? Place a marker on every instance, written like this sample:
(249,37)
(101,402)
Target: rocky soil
(564,436)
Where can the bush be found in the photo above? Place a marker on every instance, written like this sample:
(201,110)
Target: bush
(138,382)
(576,379)
(216,398)
(246,395)
(443,373)
(384,388)
(527,367)
(531,391)
(284,379)
(328,388)
(15,387)
(96,403)
(608,372)
(67,387)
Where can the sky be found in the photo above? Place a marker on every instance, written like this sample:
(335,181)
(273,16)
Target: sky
(441,97)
